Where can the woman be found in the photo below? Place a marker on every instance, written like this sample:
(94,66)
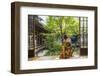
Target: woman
(66,51)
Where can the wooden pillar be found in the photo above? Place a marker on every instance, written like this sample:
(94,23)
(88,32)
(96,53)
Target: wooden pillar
(31,28)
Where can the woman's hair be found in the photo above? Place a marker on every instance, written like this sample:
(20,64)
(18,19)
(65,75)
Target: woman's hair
(65,37)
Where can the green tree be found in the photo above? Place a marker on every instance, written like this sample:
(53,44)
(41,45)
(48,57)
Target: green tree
(59,25)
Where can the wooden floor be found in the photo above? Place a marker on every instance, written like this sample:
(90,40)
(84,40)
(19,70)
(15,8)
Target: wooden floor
(76,55)
(53,58)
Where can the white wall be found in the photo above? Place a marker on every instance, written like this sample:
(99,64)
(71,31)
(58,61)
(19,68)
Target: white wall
(5,42)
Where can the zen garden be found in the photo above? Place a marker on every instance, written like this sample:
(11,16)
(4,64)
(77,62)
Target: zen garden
(57,37)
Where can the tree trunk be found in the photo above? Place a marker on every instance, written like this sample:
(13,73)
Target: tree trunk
(60,25)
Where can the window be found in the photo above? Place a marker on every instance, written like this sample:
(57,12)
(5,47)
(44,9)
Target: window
(84,31)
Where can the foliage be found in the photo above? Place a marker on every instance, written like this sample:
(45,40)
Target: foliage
(52,45)
(68,24)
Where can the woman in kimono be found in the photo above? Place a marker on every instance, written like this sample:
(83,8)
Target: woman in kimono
(66,50)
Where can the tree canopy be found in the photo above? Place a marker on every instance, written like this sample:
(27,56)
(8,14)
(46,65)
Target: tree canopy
(64,24)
